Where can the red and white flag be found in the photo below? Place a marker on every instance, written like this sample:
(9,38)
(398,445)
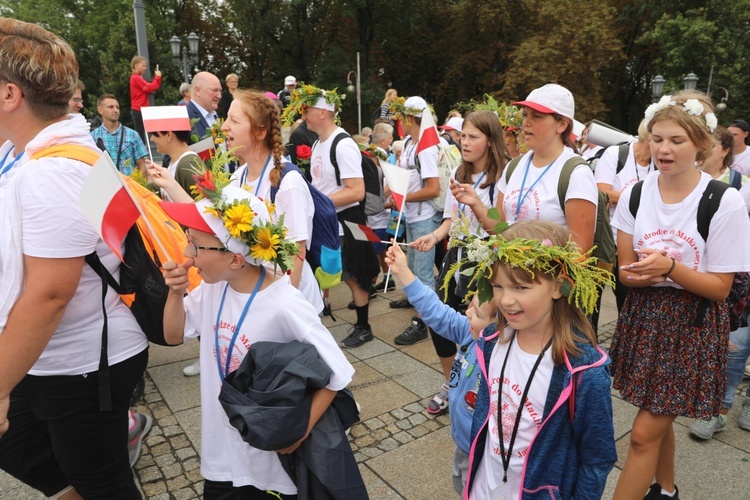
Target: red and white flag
(362,232)
(107,204)
(428,133)
(398,182)
(205,148)
(165,118)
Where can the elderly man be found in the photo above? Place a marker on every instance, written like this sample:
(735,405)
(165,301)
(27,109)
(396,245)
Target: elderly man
(204,101)
(185,91)
(60,433)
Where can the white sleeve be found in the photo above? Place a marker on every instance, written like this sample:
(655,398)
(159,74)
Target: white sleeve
(745,192)
(728,245)
(294,201)
(623,220)
(606,167)
(194,307)
(349,159)
(428,161)
(582,185)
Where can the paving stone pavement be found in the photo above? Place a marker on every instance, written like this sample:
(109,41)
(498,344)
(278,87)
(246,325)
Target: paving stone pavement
(402,451)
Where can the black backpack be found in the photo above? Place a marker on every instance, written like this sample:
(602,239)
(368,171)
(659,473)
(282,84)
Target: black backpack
(622,156)
(374,200)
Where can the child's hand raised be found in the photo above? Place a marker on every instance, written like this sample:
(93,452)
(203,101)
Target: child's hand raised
(176,276)
(396,259)
(159,175)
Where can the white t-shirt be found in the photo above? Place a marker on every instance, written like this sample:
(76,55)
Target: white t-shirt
(348,158)
(742,161)
(54,228)
(590,152)
(632,172)
(673,228)
(172,168)
(416,211)
(277,314)
(294,200)
(745,192)
(489,478)
(539,200)
(452,207)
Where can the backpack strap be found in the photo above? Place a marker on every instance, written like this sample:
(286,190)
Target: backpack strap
(635,198)
(622,156)
(288,167)
(335,162)
(71,151)
(709,204)
(562,185)
(511,166)
(735,179)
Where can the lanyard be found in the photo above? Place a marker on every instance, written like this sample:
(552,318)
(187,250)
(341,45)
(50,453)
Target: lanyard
(260,179)
(10,165)
(481,177)
(222,375)
(503,455)
(638,167)
(521,199)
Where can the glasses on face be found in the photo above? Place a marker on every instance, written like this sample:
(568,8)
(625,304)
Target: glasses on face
(197,247)
(77,100)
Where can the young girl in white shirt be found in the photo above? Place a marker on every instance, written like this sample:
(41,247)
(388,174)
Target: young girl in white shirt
(543,415)
(230,239)
(669,350)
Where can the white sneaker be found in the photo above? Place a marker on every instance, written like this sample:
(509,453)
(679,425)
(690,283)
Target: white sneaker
(192,370)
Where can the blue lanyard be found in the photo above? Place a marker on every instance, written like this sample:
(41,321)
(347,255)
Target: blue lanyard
(10,165)
(462,205)
(223,374)
(260,179)
(521,198)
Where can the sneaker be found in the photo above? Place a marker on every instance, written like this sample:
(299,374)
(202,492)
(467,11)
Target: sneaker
(400,303)
(744,421)
(414,333)
(439,403)
(705,429)
(193,369)
(654,493)
(380,287)
(140,425)
(358,336)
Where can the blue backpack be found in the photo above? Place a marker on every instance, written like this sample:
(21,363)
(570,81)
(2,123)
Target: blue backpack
(324,255)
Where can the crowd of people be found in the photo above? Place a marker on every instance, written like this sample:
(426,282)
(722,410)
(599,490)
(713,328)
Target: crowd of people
(500,276)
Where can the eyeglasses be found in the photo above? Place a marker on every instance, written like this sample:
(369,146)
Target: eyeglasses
(77,99)
(197,247)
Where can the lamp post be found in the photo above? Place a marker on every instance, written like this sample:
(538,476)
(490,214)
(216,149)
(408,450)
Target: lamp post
(187,61)
(352,88)
(657,87)
(690,82)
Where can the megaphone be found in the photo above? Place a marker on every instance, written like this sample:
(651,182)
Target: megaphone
(605,135)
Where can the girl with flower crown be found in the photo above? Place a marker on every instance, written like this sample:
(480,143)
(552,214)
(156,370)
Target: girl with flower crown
(231,239)
(669,350)
(542,424)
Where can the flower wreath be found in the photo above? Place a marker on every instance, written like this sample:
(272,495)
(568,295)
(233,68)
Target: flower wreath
(373,150)
(691,107)
(266,240)
(400,112)
(510,116)
(306,96)
(580,275)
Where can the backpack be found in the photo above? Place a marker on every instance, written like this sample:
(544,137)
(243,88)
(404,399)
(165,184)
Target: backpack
(622,156)
(604,249)
(739,295)
(449,158)
(735,179)
(374,200)
(324,255)
(141,285)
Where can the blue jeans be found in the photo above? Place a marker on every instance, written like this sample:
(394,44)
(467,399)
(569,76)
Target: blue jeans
(739,351)
(422,263)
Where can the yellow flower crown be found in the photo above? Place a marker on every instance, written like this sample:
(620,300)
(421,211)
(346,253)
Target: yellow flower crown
(306,96)
(510,116)
(266,240)
(580,275)
(400,112)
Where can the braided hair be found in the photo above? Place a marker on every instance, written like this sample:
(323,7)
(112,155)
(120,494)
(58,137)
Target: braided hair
(264,117)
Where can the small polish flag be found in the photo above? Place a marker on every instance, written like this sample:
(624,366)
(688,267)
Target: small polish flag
(362,232)
(398,182)
(107,204)
(428,133)
(165,118)
(205,148)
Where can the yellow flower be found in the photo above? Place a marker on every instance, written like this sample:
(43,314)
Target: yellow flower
(270,207)
(212,211)
(265,248)
(238,219)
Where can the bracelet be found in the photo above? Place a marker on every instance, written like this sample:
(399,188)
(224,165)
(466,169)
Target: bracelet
(674,262)
(436,238)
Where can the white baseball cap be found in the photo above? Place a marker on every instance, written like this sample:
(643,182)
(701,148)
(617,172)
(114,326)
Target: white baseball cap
(416,102)
(290,80)
(455,123)
(551,99)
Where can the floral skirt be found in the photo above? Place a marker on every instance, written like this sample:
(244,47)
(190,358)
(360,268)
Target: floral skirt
(669,352)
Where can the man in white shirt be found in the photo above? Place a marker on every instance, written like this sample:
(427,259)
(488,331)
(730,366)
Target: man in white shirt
(204,101)
(740,130)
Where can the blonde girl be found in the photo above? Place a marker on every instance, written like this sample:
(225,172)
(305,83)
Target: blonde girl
(670,347)
(543,416)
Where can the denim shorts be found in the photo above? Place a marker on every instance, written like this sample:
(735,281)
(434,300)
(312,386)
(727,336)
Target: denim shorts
(422,264)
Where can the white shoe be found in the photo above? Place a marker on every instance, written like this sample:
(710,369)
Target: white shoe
(192,370)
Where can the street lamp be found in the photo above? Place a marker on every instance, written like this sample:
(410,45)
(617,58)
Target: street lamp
(721,105)
(188,61)
(657,87)
(352,88)
(690,81)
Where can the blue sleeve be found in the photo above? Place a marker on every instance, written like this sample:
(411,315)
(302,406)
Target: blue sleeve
(139,149)
(594,431)
(440,317)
